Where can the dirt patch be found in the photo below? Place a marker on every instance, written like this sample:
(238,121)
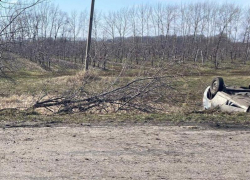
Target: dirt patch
(124,152)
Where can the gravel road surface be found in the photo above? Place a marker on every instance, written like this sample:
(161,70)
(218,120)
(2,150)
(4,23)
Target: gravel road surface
(124,152)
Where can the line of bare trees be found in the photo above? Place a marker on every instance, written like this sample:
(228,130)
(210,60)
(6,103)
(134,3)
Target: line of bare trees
(198,32)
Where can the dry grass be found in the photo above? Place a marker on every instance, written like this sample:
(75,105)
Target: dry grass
(82,76)
(15,101)
(32,85)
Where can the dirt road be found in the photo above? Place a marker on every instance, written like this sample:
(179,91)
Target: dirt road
(125,152)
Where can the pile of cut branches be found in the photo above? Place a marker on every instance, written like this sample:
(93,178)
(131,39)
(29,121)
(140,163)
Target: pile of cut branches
(141,94)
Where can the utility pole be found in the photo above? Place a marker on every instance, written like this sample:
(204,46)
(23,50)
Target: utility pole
(89,35)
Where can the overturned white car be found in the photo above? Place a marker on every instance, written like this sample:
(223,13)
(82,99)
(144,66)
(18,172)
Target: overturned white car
(226,98)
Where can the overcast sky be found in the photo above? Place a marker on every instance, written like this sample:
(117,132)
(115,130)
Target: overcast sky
(112,5)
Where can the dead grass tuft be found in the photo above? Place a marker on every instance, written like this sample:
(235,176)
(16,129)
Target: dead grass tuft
(16,101)
(84,76)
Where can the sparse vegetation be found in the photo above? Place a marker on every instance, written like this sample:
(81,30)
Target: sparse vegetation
(18,96)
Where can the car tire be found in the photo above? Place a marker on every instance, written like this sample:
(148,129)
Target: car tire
(217,85)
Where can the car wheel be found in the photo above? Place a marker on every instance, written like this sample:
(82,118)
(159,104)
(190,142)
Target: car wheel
(217,85)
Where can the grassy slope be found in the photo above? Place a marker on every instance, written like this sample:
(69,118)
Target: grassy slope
(33,83)
(211,119)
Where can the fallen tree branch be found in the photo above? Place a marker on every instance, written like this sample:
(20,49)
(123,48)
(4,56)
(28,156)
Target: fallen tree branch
(129,96)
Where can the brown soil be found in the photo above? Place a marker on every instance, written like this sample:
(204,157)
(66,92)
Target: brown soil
(124,152)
